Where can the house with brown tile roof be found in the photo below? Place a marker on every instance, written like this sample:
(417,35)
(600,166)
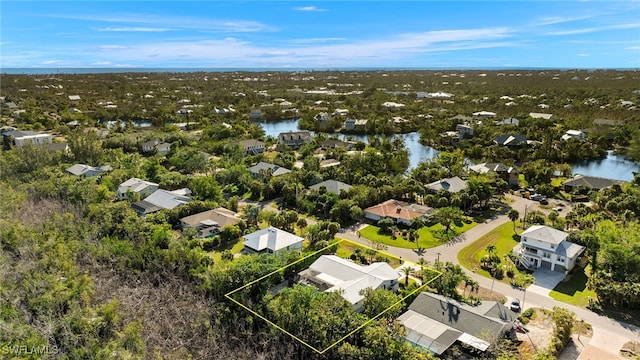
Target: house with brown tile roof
(400,211)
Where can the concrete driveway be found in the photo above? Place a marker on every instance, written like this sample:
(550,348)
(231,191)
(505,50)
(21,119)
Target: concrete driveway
(547,278)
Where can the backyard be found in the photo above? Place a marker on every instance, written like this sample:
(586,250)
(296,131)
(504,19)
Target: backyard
(427,235)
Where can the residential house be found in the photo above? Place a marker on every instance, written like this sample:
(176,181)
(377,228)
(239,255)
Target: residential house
(392,105)
(398,120)
(21,137)
(209,223)
(574,134)
(275,170)
(399,211)
(157,146)
(88,171)
(543,116)
(322,118)
(271,241)
(332,273)
(332,186)
(464,130)
(252,146)
(484,114)
(453,185)
(74,97)
(294,139)
(341,112)
(544,247)
(162,199)
(590,182)
(607,122)
(336,143)
(511,140)
(255,115)
(435,323)
(508,121)
(137,186)
(353,124)
(506,173)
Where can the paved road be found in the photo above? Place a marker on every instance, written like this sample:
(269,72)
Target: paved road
(609,334)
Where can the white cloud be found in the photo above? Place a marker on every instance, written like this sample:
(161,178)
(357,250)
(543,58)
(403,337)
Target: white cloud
(134,29)
(112,47)
(584,55)
(172,22)
(633,48)
(102,63)
(551,20)
(315,40)
(595,29)
(278,53)
(309,8)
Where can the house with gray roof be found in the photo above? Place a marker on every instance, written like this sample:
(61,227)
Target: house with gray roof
(333,273)
(545,247)
(454,185)
(271,241)
(275,170)
(508,121)
(252,146)
(507,173)
(435,323)
(590,182)
(88,171)
(162,199)
(141,187)
(209,223)
(22,137)
(511,140)
(332,186)
(294,139)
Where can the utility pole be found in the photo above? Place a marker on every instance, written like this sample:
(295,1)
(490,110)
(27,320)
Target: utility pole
(524,219)
(438,257)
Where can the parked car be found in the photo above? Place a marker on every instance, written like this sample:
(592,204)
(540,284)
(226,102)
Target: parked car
(557,208)
(515,305)
(544,202)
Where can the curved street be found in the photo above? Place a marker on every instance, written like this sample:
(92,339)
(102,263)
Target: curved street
(608,334)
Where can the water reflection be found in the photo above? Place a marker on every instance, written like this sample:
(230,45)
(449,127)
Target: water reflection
(417,151)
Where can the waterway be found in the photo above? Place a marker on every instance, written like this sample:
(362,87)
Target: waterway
(613,166)
(417,151)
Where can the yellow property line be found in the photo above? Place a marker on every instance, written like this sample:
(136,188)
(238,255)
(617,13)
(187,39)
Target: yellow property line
(276,326)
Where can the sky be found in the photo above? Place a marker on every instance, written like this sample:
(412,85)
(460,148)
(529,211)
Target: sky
(320,34)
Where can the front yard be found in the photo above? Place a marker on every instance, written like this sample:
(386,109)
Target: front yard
(426,235)
(503,238)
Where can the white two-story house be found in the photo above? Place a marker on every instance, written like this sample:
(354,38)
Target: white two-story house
(544,247)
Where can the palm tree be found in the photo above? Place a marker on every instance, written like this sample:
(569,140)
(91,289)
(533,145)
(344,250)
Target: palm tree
(407,271)
(491,249)
(513,215)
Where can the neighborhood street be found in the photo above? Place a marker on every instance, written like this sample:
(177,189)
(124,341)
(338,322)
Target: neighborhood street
(609,335)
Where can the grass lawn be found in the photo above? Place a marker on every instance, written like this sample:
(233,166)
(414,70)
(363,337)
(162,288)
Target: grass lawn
(346,248)
(426,238)
(235,248)
(504,240)
(575,290)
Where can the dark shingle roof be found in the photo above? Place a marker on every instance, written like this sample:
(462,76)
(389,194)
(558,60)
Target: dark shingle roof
(591,182)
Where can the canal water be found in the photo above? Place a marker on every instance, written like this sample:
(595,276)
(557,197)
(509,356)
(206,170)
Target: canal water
(613,166)
(417,151)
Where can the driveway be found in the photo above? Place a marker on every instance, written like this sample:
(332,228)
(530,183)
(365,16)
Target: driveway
(546,280)
(609,334)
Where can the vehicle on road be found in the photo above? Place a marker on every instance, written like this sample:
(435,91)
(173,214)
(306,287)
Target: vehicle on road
(515,305)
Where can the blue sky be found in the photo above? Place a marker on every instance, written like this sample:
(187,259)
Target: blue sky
(320,34)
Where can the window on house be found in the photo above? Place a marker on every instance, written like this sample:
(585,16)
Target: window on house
(553,246)
(560,258)
(546,255)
